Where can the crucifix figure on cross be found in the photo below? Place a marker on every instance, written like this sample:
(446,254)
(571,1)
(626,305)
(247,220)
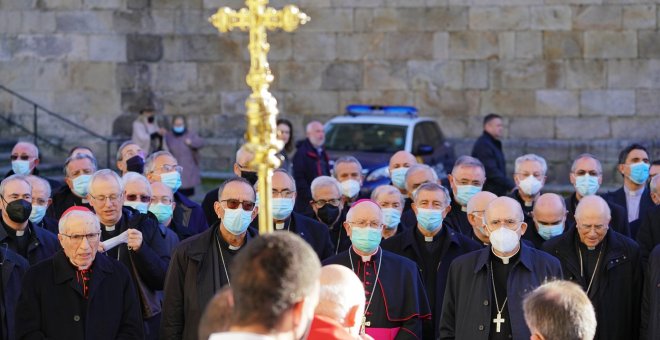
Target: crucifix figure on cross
(261,105)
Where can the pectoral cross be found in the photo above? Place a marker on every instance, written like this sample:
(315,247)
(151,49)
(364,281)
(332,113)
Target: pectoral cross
(364,324)
(498,321)
(261,105)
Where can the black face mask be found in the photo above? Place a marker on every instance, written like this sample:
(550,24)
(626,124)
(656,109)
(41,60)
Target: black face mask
(18,210)
(151,119)
(328,214)
(135,164)
(250,176)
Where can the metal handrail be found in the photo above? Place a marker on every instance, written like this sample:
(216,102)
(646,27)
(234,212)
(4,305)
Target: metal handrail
(35,133)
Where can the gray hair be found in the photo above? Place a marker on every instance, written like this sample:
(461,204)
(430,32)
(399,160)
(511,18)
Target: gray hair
(13,178)
(105,173)
(280,170)
(468,162)
(221,189)
(346,159)
(149,162)
(61,225)
(531,157)
(121,148)
(131,176)
(76,157)
(433,187)
(386,190)
(243,150)
(653,184)
(420,167)
(40,181)
(560,310)
(323,182)
(339,294)
(583,156)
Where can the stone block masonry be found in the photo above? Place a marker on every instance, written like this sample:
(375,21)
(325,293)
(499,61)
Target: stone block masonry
(564,73)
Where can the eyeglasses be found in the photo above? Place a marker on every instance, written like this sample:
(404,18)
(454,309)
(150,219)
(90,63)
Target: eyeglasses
(284,193)
(321,203)
(537,175)
(39,201)
(592,173)
(21,157)
(93,237)
(599,228)
(365,224)
(509,224)
(103,198)
(165,168)
(135,197)
(233,204)
(164,199)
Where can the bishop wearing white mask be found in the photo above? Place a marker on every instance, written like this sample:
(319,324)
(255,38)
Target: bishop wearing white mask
(485,288)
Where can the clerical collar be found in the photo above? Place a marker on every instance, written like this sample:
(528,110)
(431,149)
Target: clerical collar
(464,208)
(424,238)
(505,259)
(109,228)
(17,233)
(367,258)
(279,226)
(529,204)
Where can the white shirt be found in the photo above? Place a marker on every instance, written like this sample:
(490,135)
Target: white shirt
(633,199)
(239,336)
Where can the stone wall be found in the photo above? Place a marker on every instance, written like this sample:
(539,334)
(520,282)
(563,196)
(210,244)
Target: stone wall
(569,75)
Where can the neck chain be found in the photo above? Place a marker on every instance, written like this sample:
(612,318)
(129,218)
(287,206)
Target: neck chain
(499,320)
(364,316)
(222,257)
(593,275)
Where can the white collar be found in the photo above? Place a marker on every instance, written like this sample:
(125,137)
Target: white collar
(505,259)
(109,228)
(279,226)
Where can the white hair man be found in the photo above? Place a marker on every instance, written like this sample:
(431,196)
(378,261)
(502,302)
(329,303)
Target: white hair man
(529,176)
(466,180)
(328,208)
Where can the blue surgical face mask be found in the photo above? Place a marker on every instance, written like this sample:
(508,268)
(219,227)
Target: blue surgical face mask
(366,239)
(429,219)
(172,180)
(465,192)
(586,185)
(179,129)
(162,211)
(137,205)
(398,177)
(37,214)
(236,221)
(20,167)
(282,208)
(639,172)
(80,185)
(391,217)
(548,231)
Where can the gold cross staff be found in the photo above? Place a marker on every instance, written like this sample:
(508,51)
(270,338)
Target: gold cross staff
(261,105)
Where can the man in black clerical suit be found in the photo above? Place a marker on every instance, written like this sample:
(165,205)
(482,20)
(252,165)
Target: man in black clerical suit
(485,288)
(396,301)
(78,170)
(200,264)
(466,179)
(606,264)
(416,175)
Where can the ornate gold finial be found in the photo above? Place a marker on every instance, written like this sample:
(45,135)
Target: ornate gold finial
(261,105)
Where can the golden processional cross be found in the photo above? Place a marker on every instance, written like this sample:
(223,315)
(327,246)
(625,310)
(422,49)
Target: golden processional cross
(261,105)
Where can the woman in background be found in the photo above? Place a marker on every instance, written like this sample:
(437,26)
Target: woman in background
(184,145)
(285,134)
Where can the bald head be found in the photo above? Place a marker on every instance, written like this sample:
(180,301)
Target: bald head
(504,208)
(26,148)
(480,201)
(364,211)
(402,159)
(549,203)
(341,296)
(592,207)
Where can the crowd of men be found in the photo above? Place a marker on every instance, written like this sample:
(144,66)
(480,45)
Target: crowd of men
(108,255)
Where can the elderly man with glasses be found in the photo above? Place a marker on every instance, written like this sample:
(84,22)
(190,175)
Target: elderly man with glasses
(163,167)
(485,288)
(396,300)
(200,264)
(606,264)
(78,294)
(145,254)
(328,207)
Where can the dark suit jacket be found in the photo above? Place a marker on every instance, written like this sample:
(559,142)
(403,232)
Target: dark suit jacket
(189,214)
(307,165)
(616,292)
(12,269)
(207,206)
(489,151)
(648,235)
(619,197)
(650,323)
(63,199)
(52,306)
(43,243)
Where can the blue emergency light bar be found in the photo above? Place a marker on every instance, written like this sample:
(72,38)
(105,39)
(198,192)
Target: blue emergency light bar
(379,110)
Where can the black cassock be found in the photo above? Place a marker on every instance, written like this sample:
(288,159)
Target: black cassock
(399,302)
